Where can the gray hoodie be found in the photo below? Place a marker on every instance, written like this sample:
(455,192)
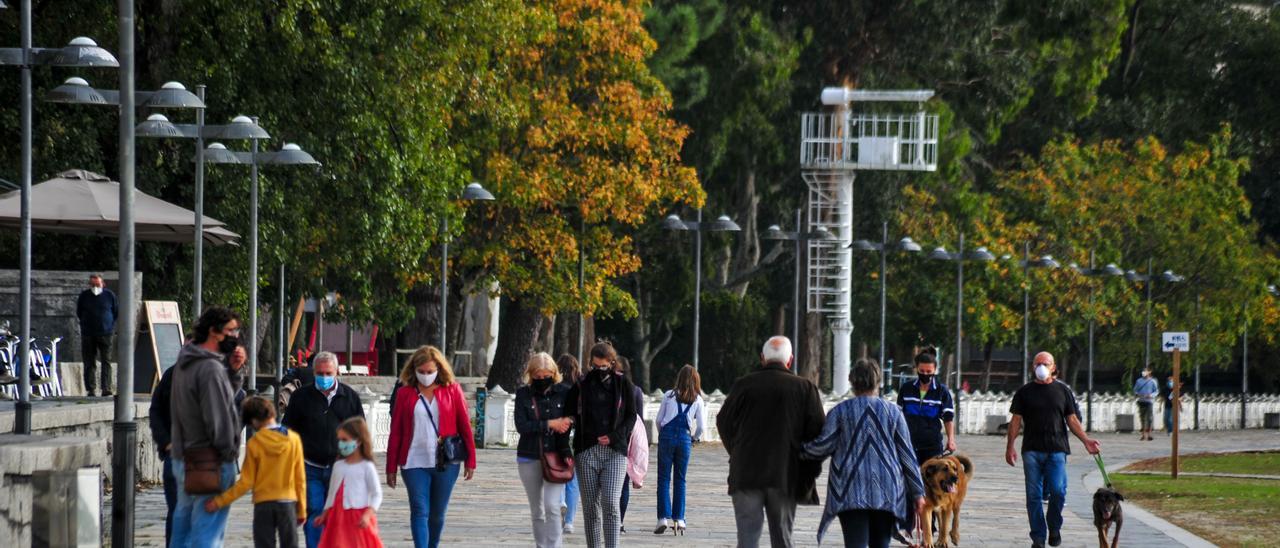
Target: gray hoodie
(202,404)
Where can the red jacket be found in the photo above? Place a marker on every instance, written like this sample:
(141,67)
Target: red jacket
(453,421)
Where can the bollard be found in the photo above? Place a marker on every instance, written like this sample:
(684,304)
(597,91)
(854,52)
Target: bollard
(481,396)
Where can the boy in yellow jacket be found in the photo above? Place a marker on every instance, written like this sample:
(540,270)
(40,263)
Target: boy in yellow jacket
(273,469)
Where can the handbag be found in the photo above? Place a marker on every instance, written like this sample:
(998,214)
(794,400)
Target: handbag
(556,466)
(449,449)
(202,470)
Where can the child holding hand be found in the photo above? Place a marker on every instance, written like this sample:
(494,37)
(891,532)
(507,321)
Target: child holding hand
(273,469)
(355,492)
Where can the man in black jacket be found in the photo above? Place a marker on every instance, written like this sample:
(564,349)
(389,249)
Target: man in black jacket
(769,413)
(96,309)
(314,412)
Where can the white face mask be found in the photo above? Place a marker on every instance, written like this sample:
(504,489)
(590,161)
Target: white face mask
(426,379)
(1042,372)
(96,290)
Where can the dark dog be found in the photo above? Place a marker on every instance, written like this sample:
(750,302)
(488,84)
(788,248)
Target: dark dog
(1106,511)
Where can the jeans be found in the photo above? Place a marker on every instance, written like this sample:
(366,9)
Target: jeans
(871,528)
(170,497)
(429,491)
(674,446)
(750,509)
(1168,418)
(570,500)
(317,492)
(544,504)
(624,500)
(192,526)
(1042,469)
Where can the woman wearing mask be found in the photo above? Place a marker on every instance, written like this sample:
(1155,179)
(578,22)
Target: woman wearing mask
(603,411)
(540,420)
(429,411)
(569,375)
(682,418)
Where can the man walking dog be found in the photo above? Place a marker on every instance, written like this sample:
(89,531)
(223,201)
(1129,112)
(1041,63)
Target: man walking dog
(1046,409)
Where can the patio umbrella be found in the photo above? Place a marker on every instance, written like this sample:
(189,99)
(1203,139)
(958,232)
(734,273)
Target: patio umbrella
(86,203)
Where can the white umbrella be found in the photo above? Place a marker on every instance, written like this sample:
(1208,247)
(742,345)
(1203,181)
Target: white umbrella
(86,203)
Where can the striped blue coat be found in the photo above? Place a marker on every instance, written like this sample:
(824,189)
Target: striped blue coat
(873,466)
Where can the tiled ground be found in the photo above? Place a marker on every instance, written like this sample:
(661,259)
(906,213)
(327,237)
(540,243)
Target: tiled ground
(491,510)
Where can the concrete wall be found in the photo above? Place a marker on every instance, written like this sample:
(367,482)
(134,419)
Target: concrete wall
(92,421)
(53,304)
(21,458)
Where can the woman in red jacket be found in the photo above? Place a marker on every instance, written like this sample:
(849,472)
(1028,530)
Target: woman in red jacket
(429,409)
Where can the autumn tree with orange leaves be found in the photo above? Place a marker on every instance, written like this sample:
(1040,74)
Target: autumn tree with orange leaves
(584,153)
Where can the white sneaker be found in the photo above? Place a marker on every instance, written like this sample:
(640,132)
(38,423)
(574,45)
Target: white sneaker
(568,528)
(663,525)
(680,527)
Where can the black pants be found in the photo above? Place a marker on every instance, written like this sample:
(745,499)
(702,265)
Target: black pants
(272,520)
(170,496)
(866,528)
(93,349)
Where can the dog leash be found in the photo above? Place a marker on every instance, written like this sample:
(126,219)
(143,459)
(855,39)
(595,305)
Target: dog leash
(1106,480)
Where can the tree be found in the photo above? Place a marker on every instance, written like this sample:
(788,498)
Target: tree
(589,154)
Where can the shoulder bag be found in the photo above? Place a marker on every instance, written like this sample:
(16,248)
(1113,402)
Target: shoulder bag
(449,449)
(556,467)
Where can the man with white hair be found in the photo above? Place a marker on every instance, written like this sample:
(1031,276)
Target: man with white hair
(314,412)
(768,415)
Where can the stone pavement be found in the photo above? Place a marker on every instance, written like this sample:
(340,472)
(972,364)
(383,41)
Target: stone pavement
(491,510)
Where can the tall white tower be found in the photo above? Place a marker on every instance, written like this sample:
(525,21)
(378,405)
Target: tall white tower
(833,145)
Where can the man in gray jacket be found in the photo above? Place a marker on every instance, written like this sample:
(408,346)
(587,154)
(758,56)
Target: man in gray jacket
(205,423)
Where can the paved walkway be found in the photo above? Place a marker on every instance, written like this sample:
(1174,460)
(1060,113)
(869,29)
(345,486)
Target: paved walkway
(491,510)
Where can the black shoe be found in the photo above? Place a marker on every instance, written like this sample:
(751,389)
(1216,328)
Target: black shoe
(898,536)
(1036,545)
(1055,538)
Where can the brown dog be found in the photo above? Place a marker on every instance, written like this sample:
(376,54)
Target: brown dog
(946,479)
(1106,511)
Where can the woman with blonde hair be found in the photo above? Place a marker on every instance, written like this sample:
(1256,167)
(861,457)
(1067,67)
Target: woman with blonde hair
(543,428)
(430,438)
(682,419)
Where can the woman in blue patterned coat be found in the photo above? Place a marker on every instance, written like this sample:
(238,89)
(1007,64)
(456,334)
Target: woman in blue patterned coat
(873,470)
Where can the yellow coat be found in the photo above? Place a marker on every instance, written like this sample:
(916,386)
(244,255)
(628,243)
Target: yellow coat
(273,468)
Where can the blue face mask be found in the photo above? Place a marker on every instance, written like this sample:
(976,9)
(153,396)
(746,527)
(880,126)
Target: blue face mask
(325,383)
(346,447)
(1170,383)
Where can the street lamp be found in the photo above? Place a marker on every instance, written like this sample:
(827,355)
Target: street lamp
(1113,271)
(289,154)
(170,95)
(472,193)
(959,257)
(722,224)
(80,52)
(1027,264)
(774,232)
(906,244)
(1149,280)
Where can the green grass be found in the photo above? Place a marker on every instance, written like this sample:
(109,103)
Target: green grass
(1225,511)
(1263,462)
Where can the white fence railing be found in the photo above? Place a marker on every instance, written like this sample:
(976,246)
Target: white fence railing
(1217,412)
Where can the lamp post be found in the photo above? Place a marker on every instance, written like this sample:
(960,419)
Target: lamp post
(799,237)
(289,154)
(80,52)
(472,193)
(721,224)
(1027,264)
(171,95)
(1149,280)
(1113,271)
(959,257)
(905,244)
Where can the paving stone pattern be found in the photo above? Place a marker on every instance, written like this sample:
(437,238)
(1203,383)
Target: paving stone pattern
(491,510)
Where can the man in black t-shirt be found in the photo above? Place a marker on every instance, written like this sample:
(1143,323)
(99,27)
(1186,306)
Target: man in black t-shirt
(1048,410)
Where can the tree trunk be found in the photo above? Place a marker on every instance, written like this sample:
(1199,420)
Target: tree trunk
(747,254)
(424,328)
(517,333)
(986,364)
(546,335)
(566,336)
(810,348)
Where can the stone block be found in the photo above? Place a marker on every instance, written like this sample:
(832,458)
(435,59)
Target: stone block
(1124,422)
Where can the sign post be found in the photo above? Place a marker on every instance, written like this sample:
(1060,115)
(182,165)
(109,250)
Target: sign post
(1177,343)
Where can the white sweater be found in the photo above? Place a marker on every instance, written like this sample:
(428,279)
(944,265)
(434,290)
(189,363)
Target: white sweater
(696,414)
(362,488)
